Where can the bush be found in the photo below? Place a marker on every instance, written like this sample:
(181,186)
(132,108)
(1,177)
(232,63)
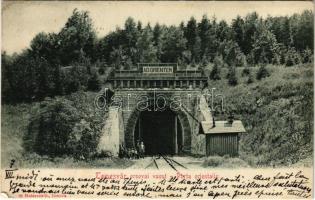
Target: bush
(66,127)
(94,83)
(54,128)
(232,79)
(246,71)
(101,71)
(262,72)
(224,162)
(292,57)
(204,62)
(74,78)
(213,161)
(233,163)
(232,54)
(215,73)
(250,79)
(240,60)
(307,56)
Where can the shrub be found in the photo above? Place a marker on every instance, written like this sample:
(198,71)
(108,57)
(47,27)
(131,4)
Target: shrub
(101,71)
(233,163)
(307,56)
(232,79)
(250,79)
(74,78)
(215,73)
(240,60)
(292,57)
(193,64)
(204,62)
(262,72)
(246,71)
(54,128)
(224,162)
(94,83)
(232,54)
(66,126)
(213,161)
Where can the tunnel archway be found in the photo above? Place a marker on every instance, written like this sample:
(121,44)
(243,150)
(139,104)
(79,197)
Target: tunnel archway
(161,132)
(183,137)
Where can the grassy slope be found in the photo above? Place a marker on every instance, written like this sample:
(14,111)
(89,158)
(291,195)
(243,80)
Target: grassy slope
(263,107)
(15,118)
(14,124)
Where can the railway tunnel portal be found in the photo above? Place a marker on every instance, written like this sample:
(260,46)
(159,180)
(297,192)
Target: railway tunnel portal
(159,105)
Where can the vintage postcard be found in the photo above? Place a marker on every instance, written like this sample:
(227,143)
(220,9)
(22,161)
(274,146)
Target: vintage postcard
(157,99)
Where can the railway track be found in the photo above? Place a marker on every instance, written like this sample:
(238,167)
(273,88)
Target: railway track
(162,162)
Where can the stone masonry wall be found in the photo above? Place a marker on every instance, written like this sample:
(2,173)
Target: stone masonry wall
(129,98)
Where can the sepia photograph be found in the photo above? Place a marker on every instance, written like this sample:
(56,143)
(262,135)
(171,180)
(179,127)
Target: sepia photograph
(158,85)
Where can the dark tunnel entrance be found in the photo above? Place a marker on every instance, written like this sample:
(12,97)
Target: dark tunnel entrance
(160,131)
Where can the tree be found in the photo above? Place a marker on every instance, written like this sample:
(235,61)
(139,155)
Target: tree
(118,57)
(292,57)
(246,71)
(212,45)
(139,26)
(94,83)
(157,31)
(238,31)
(307,56)
(131,35)
(30,77)
(157,36)
(262,72)
(77,37)
(193,40)
(215,72)
(58,89)
(45,83)
(250,78)
(223,31)
(108,44)
(232,79)
(265,47)
(75,78)
(173,45)
(145,47)
(303,30)
(46,46)
(203,63)
(251,22)
(280,27)
(6,64)
(33,75)
(232,54)
(204,27)
(148,26)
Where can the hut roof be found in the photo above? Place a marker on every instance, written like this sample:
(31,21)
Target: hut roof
(222,127)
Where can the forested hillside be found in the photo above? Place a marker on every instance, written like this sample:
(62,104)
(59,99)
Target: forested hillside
(74,58)
(262,66)
(277,112)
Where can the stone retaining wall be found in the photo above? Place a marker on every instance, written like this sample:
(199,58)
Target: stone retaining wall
(188,114)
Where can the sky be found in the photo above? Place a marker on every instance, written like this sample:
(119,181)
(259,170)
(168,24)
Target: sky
(21,21)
